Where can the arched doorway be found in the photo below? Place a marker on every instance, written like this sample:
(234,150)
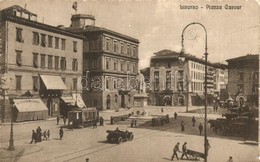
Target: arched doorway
(167,100)
(181,100)
(108,101)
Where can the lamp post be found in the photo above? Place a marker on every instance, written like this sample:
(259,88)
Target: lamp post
(205,86)
(11,140)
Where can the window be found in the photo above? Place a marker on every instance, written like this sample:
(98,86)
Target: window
(134,51)
(43,60)
(57,42)
(115,83)
(63,63)
(128,49)
(35,60)
(74,64)
(18,79)
(122,48)
(36,38)
(156,80)
(168,80)
(107,44)
(122,66)
(107,83)
(50,65)
(19,58)
(241,76)
(115,46)
(107,63)
(128,66)
(19,37)
(43,40)
(116,98)
(255,89)
(63,44)
(75,84)
(50,41)
(75,46)
(56,62)
(35,83)
(93,63)
(241,87)
(115,65)
(134,68)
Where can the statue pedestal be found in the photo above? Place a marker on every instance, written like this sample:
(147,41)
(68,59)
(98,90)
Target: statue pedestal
(140,100)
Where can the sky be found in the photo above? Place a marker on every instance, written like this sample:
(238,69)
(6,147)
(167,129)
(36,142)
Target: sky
(158,24)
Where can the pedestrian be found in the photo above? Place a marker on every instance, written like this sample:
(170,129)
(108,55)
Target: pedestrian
(34,137)
(193,121)
(61,133)
(162,110)
(175,150)
(175,115)
(44,136)
(200,128)
(64,120)
(101,121)
(58,119)
(111,120)
(230,159)
(48,134)
(94,124)
(132,123)
(135,123)
(182,126)
(184,150)
(207,147)
(39,134)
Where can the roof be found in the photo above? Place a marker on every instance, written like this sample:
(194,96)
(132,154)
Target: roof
(18,8)
(94,29)
(244,58)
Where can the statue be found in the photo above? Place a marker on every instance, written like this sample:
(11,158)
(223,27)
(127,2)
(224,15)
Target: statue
(140,83)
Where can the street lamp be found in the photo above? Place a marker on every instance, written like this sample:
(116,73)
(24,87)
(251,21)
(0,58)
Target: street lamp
(11,140)
(205,86)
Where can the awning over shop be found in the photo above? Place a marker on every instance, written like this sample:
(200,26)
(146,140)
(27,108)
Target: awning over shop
(30,109)
(79,101)
(68,99)
(53,82)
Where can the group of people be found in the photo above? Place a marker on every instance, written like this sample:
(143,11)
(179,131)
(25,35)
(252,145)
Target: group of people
(100,120)
(38,135)
(184,150)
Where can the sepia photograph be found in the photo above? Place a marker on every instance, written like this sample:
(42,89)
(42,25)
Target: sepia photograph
(129,80)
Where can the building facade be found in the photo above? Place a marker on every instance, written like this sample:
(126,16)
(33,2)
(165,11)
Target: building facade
(39,61)
(110,64)
(243,80)
(178,79)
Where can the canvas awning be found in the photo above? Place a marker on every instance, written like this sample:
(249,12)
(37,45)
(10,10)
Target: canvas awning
(68,99)
(53,82)
(30,109)
(79,101)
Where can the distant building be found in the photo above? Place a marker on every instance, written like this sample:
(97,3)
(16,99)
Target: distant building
(243,80)
(110,62)
(178,79)
(39,65)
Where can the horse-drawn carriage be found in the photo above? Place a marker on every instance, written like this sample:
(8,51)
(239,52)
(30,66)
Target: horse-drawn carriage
(119,136)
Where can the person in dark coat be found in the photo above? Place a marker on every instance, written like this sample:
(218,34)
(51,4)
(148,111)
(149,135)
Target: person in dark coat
(200,128)
(193,121)
(162,110)
(39,134)
(48,134)
(44,136)
(182,126)
(61,133)
(184,150)
(64,120)
(175,150)
(175,115)
(34,137)
(58,119)
(101,121)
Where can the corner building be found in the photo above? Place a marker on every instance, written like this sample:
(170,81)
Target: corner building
(110,64)
(41,62)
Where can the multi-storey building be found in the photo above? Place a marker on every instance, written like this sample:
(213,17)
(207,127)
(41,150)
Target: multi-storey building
(243,80)
(178,79)
(110,64)
(38,60)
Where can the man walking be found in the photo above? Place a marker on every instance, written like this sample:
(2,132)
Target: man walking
(162,110)
(61,133)
(175,149)
(200,128)
(58,119)
(184,150)
(175,115)
(193,121)
(34,136)
(182,126)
